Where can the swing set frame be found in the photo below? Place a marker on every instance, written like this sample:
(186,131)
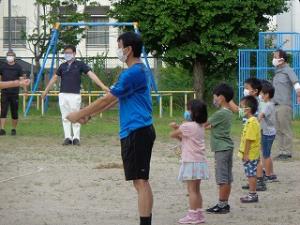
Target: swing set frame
(53,49)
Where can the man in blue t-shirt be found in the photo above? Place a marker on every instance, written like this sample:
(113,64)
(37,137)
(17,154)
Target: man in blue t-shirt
(137,134)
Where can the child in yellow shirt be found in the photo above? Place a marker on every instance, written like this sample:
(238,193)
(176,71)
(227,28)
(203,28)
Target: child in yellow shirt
(250,146)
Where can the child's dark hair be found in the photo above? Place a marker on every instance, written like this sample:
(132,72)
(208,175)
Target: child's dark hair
(72,47)
(282,54)
(224,90)
(254,83)
(134,40)
(251,103)
(267,88)
(198,111)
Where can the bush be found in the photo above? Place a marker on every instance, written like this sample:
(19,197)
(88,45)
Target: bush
(107,76)
(175,78)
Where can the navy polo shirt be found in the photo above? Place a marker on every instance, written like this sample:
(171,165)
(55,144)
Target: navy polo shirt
(134,93)
(71,76)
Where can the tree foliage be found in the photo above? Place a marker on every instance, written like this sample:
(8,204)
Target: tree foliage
(201,35)
(50,14)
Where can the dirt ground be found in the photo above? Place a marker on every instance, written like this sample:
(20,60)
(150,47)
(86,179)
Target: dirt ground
(44,183)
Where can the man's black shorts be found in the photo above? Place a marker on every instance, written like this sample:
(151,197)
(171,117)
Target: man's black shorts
(9,101)
(136,150)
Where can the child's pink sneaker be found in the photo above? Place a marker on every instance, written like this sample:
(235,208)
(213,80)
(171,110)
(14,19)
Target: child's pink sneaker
(201,215)
(193,217)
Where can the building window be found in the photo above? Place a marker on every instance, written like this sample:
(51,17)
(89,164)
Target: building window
(18,30)
(98,36)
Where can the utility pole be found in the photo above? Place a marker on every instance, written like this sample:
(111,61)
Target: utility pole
(38,26)
(9,25)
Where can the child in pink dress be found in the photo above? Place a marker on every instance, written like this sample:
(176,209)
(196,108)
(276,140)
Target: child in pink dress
(194,167)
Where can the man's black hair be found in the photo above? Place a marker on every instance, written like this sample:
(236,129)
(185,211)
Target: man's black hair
(134,40)
(282,54)
(70,47)
(11,52)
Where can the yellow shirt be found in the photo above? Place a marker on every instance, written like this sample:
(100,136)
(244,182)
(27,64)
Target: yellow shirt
(251,132)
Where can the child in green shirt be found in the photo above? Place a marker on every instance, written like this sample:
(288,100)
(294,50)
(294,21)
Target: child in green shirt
(222,145)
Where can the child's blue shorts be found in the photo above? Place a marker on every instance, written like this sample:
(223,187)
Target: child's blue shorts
(250,167)
(266,143)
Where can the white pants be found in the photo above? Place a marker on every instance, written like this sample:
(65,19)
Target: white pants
(70,103)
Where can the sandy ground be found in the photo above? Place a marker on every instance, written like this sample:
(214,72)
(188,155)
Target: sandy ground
(58,185)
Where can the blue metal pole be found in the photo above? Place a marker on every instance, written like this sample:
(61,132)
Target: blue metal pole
(52,68)
(94,24)
(53,36)
(239,74)
(153,83)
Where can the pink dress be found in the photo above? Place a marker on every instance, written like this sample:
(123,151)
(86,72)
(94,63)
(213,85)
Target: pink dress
(194,162)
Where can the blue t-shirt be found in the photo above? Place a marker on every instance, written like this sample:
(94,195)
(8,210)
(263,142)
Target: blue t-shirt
(134,94)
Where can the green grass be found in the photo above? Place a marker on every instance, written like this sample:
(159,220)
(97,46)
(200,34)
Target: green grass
(35,125)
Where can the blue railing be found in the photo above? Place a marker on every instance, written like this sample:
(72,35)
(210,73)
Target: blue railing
(258,62)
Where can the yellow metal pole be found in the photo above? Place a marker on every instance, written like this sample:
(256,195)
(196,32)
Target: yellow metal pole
(195,96)
(42,107)
(171,105)
(185,101)
(38,102)
(24,103)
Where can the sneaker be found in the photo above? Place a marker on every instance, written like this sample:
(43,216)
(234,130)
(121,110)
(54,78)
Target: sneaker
(192,217)
(283,157)
(261,185)
(219,210)
(13,132)
(271,178)
(250,198)
(201,215)
(76,142)
(245,186)
(2,132)
(67,141)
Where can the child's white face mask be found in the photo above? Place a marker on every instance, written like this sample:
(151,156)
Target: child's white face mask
(246,92)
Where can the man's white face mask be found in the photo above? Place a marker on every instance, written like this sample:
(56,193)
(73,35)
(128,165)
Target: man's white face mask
(68,56)
(120,54)
(10,58)
(276,62)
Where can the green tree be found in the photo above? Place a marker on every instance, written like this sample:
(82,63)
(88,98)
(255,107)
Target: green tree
(201,35)
(50,13)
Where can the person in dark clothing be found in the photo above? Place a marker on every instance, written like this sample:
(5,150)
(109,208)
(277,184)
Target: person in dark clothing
(10,71)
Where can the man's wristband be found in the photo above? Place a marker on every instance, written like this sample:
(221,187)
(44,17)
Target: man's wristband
(297,86)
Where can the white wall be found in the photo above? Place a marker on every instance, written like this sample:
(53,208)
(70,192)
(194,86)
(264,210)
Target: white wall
(19,8)
(290,21)
(29,10)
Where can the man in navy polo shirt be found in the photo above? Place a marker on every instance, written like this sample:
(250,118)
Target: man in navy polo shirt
(137,134)
(69,96)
